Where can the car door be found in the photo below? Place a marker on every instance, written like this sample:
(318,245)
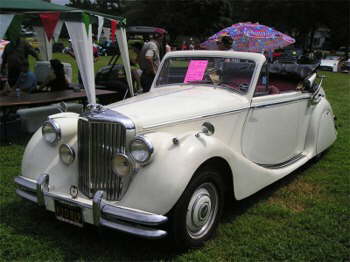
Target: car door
(275,129)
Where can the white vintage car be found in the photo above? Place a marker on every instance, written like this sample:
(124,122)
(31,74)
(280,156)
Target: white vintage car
(215,124)
(331,63)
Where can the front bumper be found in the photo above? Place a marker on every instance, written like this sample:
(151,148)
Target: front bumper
(131,221)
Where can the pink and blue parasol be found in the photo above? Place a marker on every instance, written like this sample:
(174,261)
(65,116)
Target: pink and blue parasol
(251,38)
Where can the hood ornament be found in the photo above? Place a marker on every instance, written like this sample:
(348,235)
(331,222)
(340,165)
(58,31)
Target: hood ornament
(95,108)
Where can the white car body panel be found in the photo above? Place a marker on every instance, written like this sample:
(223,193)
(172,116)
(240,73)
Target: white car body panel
(254,135)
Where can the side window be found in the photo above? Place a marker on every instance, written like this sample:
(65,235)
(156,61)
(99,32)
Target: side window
(263,86)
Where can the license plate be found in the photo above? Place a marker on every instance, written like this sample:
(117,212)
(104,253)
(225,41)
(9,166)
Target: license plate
(69,213)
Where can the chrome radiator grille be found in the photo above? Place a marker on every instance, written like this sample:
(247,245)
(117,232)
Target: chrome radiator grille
(98,141)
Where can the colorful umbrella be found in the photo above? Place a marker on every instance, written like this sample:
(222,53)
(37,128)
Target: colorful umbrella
(251,38)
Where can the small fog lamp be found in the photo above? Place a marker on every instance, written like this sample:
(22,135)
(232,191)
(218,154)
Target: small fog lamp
(51,131)
(121,165)
(67,154)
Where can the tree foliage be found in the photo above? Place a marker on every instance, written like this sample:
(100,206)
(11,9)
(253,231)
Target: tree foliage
(202,18)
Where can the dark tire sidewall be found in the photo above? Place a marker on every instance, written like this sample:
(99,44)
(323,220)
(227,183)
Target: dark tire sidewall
(178,215)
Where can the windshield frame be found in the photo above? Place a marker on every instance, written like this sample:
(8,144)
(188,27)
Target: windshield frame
(257,58)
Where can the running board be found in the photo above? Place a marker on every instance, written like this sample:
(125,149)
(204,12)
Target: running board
(283,164)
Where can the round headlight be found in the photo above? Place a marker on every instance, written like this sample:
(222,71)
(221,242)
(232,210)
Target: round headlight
(121,165)
(51,131)
(141,150)
(67,154)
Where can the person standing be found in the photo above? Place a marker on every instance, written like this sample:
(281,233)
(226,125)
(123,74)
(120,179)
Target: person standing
(149,61)
(15,54)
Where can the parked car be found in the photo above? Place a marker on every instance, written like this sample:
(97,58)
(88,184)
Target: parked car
(346,66)
(331,63)
(289,55)
(215,124)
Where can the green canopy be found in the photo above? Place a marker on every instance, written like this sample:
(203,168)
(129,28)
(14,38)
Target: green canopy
(68,13)
(10,6)
(81,38)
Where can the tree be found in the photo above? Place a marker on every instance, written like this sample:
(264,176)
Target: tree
(192,18)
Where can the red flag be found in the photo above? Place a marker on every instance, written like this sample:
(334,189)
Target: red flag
(49,21)
(114,24)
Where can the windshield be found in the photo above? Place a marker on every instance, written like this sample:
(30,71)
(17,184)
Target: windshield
(231,73)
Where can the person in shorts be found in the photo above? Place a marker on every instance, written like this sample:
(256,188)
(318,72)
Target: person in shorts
(149,60)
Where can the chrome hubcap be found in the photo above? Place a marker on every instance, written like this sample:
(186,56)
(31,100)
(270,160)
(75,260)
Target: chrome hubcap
(202,210)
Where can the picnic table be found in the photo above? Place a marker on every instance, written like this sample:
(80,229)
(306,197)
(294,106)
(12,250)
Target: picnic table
(11,101)
(42,98)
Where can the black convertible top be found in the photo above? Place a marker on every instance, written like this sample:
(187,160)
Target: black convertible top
(295,71)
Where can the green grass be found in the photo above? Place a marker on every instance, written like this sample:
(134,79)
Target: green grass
(303,217)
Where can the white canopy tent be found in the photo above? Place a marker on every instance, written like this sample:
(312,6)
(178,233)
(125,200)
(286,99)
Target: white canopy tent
(79,29)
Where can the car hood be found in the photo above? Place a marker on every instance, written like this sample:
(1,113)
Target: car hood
(163,106)
(325,62)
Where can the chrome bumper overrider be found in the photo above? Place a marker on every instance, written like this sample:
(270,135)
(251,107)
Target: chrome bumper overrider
(104,214)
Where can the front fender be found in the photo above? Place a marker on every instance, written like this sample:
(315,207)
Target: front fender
(41,157)
(158,186)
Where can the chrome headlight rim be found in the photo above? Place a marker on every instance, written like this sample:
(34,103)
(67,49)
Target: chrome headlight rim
(132,168)
(56,129)
(71,153)
(149,146)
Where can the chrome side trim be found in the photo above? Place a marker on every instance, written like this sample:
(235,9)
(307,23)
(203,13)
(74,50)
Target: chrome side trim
(182,121)
(279,103)
(283,164)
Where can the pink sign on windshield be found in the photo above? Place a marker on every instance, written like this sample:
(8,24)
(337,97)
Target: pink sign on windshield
(195,70)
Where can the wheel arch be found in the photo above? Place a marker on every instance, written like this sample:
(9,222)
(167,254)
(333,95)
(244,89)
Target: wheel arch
(225,172)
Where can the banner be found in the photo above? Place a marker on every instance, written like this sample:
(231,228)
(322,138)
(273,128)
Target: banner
(86,21)
(100,25)
(114,24)
(58,30)
(5,21)
(45,45)
(82,47)
(49,21)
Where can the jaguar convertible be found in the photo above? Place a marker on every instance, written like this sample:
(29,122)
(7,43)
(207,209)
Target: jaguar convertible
(215,124)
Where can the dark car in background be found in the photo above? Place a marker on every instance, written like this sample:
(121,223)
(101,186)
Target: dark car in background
(289,55)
